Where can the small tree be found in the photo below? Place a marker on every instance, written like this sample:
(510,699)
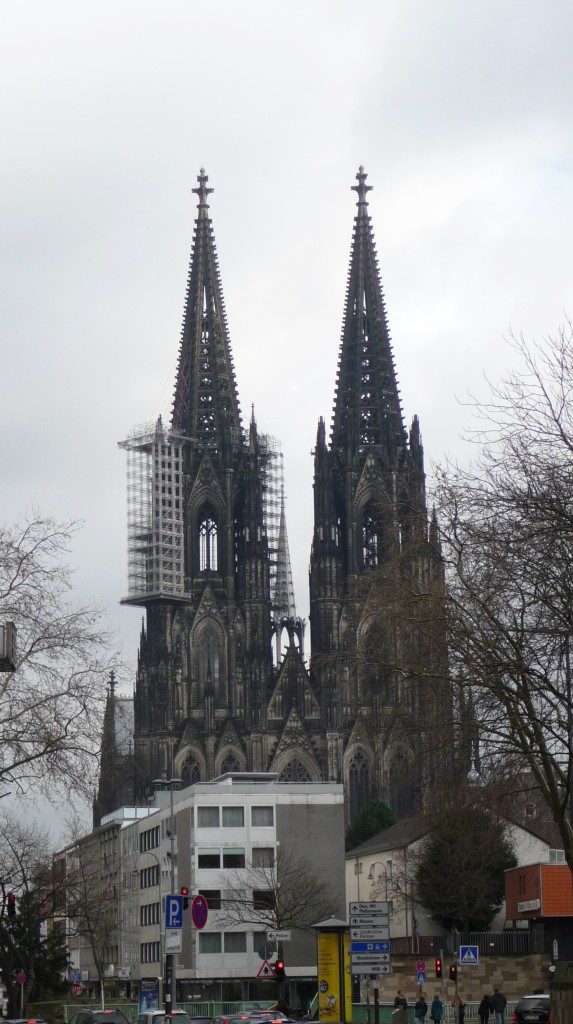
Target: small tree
(51,704)
(373,818)
(281,893)
(24,943)
(459,875)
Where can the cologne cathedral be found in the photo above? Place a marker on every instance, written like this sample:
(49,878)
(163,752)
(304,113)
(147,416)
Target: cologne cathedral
(222,679)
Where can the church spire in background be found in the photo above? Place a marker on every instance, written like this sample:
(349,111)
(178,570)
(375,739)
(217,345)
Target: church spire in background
(205,398)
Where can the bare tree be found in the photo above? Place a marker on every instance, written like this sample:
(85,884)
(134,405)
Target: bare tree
(506,525)
(91,884)
(281,893)
(51,704)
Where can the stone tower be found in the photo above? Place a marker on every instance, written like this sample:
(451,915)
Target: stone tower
(215,581)
(387,717)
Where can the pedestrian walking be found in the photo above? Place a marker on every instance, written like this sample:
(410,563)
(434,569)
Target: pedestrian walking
(484,1009)
(436,1009)
(400,1001)
(498,1005)
(420,1009)
(459,1009)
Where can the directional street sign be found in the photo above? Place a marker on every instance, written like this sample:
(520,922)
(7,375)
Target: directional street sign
(367,934)
(369,921)
(375,907)
(370,957)
(370,947)
(278,936)
(469,956)
(381,927)
(368,969)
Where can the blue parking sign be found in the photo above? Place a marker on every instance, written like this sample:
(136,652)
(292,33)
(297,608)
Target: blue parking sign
(174,911)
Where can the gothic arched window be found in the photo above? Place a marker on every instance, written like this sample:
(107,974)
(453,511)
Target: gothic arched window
(190,772)
(295,771)
(208,544)
(358,784)
(370,553)
(229,764)
(209,663)
(402,787)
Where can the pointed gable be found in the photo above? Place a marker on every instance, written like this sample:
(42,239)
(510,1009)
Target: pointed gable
(206,485)
(295,748)
(293,689)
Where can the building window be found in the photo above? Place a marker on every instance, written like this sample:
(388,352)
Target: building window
(207,817)
(358,784)
(295,771)
(264,899)
(213,897)
(209,942)
(148,877)
(209,657)
(235,942)
(557,856)
(262,817)
(149,952)
(369,541)
(191,772)
(233,817)
(230,764)
(209,859)
(208,545)
(233,858)
(263,857)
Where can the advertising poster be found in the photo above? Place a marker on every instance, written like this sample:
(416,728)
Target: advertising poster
(148,994)
(328,977)
(347,978)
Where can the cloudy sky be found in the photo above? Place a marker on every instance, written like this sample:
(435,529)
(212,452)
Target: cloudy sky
(461,114)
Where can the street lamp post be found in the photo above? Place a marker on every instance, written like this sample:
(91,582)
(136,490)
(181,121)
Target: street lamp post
(170,982)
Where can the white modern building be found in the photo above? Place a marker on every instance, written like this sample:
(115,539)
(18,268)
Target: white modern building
(248,844)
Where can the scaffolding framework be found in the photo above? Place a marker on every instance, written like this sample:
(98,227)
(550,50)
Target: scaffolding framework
(155,524)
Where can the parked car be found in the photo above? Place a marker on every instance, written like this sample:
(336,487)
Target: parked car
(177,1016)
(98,1017)
(532,1010)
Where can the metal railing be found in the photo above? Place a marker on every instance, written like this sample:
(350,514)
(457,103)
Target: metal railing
(515,942)
(194,1009)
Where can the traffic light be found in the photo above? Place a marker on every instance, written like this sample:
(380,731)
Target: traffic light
(184,890)
(438,967)
(453,972)
(11,900)
(279,967)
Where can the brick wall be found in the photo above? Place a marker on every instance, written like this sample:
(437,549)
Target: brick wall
(515,976)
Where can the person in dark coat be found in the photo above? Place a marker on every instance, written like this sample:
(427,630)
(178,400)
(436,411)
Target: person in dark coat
(498,1005)
(420,1009)
(400,1002)
(484,1009)
(436,1009)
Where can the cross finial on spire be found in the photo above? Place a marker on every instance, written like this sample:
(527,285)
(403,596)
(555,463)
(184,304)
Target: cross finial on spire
(203,189)
(361,188)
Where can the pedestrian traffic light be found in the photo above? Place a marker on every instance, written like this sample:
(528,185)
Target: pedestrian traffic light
(184,890)
(438,967)
(11,901)
(279,967)
(453,972)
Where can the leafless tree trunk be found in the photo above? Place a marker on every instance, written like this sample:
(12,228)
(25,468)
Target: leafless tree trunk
(51,704)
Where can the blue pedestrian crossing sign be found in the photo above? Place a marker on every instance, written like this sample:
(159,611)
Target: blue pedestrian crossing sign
(420,977)
(469,956)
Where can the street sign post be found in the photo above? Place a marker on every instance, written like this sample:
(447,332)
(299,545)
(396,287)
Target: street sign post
(173,911)
(369,937)
(278,935)
(199,911)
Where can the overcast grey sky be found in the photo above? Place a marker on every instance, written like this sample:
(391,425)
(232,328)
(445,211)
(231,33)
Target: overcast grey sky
(461,113)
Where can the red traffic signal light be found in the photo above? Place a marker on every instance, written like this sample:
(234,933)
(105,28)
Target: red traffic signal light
(279,967)
(184,891)
(438,967)
(453,972)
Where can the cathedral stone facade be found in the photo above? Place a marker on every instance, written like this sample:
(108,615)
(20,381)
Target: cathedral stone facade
(210,698)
